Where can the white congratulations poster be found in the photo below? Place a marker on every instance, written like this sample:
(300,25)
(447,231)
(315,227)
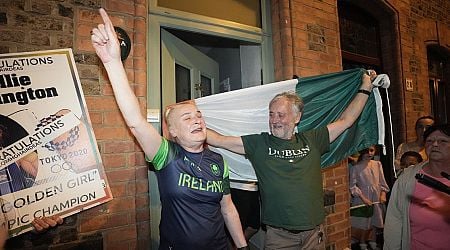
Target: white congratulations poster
(49,160)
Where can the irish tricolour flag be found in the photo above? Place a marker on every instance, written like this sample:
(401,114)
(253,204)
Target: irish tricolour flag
(246,111)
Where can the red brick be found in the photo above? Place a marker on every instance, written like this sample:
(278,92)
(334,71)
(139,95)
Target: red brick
(93,224)
(142,173)
(342,206)
(143,229)
(139,159)
(336,217)
(141,187)
(342,226)
(89,15)
(84,29)
(121,204)
(140,90)
(114,118)
(122,245)
(119,219)
(335,236)
(129,70)
(142,201)
(94,211)
(140,24)
(119,189)
(129,22)
(131,188)
(140,37)
(140,50)
(342,244)
(121,175)
(141,10)
(140,65)
(330,229)
(327,173)
(96,117)
(116,146)
(340,197)
(84,44)
(106,133)
(340,189)
(97,103)
(111,161)
(141,76)
(143,215)
(107,90)
(121,6)
(121,234)
(341,171)
(335,181)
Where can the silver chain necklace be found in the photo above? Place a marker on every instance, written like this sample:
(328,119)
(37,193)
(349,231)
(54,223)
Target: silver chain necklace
(198,165)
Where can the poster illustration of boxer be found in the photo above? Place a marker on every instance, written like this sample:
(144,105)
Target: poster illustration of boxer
(49,160)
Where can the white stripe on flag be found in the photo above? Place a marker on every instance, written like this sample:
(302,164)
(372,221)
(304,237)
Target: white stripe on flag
(241,112)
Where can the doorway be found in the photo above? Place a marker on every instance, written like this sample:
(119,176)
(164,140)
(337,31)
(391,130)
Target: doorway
(191,56)
(438,72)
(187,73)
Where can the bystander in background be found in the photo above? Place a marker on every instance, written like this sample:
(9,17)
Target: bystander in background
(409,158)
(368,188)
(418,214)
(421,125)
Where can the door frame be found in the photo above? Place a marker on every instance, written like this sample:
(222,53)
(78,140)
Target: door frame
(176,51)
(167,18)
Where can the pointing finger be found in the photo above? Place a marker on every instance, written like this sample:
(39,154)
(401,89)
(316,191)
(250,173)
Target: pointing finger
(104,16)
(108,24)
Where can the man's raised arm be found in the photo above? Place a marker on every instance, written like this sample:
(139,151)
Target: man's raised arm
(354,109)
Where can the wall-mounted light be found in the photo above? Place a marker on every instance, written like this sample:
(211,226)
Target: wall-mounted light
(124,41)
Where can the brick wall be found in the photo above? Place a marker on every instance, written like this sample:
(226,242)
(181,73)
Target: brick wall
(421,23)
(306,42)
(306,38)
(31,25)
(337,221)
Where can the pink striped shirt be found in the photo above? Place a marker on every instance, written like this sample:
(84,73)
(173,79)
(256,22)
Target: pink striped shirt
(429,215)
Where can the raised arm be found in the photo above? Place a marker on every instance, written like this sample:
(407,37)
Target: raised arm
(231,143)
(353,110)
(106,45)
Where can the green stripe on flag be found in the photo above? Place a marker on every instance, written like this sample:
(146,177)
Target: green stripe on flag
(326,97)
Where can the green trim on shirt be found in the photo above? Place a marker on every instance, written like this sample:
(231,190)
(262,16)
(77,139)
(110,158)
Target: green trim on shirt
(160,156)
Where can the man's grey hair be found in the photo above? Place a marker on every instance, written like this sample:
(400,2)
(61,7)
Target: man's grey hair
(293,98)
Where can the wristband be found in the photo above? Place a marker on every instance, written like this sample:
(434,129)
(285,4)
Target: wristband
(363,91)
(243,248)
